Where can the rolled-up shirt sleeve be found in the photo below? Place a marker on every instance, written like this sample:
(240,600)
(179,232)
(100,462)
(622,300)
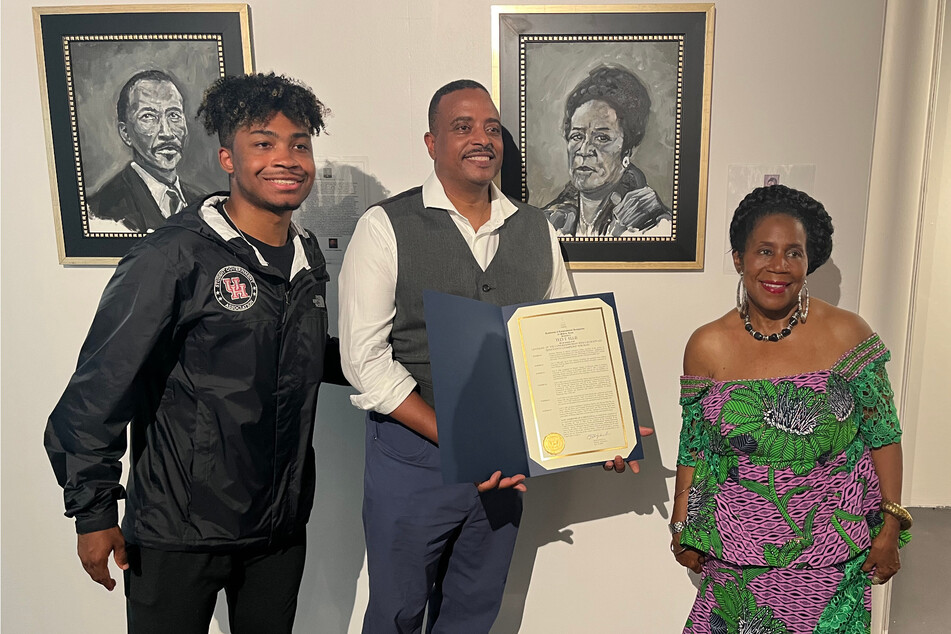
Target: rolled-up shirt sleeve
(367,309)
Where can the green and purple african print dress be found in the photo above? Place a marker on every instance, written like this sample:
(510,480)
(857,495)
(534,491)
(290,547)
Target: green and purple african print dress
(784,499)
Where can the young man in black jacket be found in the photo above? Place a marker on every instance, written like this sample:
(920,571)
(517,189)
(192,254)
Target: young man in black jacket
(211,340)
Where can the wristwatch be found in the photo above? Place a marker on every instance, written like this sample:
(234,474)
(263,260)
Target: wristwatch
(677,527)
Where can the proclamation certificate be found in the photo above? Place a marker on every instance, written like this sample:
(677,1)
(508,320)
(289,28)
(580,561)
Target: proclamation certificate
(530,388)
(571,383)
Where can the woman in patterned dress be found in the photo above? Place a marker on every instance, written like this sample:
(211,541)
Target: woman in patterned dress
(782,482)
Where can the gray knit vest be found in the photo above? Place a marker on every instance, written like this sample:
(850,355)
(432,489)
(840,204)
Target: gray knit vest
(432,254)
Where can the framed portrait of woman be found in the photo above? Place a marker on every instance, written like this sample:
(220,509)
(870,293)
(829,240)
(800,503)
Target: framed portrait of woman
(606,113)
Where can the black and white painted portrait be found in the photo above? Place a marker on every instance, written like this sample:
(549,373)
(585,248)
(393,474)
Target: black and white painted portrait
(600,124)
(143,155)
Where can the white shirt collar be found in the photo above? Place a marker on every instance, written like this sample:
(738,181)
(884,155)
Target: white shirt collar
(434,195)
(158,189)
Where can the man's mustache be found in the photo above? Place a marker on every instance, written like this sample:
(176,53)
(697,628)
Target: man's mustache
(485,149)
(167,146)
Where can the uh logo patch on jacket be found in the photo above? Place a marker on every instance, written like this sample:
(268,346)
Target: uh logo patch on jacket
(235,288)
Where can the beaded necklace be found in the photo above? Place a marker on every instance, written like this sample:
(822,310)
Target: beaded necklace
(776,336)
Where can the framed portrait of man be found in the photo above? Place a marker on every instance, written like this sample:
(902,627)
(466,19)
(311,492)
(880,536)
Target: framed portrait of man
(121,86)
(606,115)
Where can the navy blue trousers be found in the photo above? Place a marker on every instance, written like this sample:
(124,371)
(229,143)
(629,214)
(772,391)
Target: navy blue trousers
(429,542)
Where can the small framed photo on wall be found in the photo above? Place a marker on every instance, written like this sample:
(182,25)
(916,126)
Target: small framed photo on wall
(606,117)
(121,86)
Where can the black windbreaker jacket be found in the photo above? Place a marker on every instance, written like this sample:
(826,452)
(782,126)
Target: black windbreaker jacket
(215,360)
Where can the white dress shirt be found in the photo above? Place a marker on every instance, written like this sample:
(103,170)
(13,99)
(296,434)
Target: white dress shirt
(159,190)
(368,293)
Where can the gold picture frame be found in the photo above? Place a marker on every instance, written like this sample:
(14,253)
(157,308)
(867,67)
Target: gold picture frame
(635,197)
(88,56)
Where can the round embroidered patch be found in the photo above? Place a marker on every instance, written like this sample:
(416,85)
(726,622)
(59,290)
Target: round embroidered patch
(235,288)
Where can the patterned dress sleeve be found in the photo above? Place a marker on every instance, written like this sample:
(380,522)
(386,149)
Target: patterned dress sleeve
(864,367)
(692,442)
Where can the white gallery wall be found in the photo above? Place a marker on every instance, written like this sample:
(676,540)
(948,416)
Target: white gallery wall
(929,402)
(793,83)
(904,287)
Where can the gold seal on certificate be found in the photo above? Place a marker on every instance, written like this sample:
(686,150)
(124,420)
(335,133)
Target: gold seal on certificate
(554,443)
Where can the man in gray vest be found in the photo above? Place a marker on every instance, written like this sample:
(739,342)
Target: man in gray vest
(448,545)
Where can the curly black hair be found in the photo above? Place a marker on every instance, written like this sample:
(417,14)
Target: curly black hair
(779,199)
(237,101)
(620,89)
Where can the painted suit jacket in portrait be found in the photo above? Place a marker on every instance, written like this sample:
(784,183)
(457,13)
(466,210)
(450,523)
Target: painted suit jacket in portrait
(126,199)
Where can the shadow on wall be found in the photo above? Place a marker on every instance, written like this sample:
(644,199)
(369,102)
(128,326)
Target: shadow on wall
(555,502)
(335,544)
(336,201)
(826,283)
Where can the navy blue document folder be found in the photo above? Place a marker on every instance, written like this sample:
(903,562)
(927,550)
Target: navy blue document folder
(477,404)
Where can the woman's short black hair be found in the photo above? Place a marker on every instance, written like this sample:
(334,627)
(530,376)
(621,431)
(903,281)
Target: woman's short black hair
(237,101)
(779,199)
(621,90)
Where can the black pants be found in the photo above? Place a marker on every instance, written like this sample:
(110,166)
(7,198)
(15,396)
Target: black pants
(175,592)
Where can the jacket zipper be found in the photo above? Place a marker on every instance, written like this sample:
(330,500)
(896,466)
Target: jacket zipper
(285,306)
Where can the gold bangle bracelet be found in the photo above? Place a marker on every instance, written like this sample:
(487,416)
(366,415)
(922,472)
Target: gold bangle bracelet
(899,512)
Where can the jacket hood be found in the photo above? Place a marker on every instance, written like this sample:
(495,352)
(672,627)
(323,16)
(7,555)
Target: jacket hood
(204,218)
